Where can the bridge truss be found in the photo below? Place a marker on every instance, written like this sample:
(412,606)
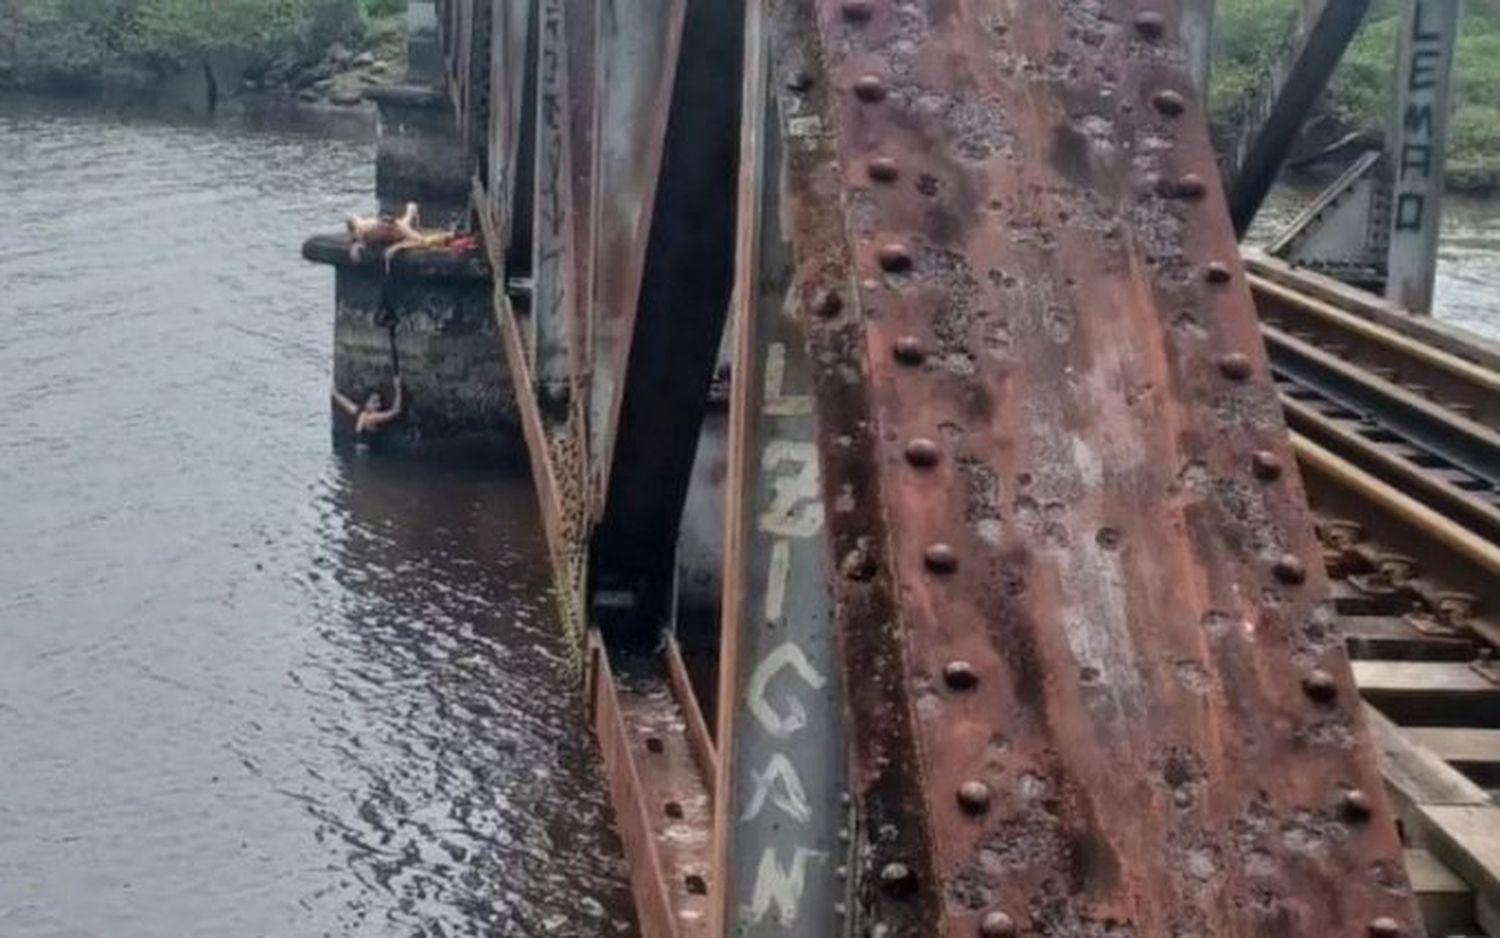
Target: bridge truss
(918,497)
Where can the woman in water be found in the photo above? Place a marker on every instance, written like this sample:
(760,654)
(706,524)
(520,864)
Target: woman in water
(370,417)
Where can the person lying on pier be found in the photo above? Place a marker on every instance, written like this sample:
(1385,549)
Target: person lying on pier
(370,416)
(379,230)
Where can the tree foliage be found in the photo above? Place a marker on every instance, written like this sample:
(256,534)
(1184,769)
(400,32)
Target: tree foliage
(78,41)
(1252,35)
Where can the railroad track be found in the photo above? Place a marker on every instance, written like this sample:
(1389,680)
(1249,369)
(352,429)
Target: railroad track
(1421,418)
(1398,447)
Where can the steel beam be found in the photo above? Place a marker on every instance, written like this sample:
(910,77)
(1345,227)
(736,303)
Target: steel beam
(1322,42)
(510,137)
(638,45)
(783,862)
(1419,148)
(555,299)
(684,298)
(1089,679)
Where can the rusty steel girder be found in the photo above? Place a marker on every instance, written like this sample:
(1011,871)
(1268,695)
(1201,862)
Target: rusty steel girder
(1057,545)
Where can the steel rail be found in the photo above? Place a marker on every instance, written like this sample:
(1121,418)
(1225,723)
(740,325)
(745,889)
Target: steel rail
(1446,532)
(1462,442)
(1478,375)
(1467,564)
(1417,361)
(1422,649)
(1432,488)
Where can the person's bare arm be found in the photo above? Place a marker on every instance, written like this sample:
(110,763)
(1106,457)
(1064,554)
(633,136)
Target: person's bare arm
(344,402)
(385,416)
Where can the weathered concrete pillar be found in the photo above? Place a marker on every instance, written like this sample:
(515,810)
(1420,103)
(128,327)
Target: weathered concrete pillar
(432,317)
(424,49)
(418,156)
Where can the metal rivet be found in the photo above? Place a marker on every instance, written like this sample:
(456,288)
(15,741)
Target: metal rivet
(940,558)
(1320,685)
(908,350)
(1267,465)
(1150,24)
(960,675)
(997,925)
(894,258)
(655,745)
(1357,805)
(1386,927)
(1191,186)
(1235,366)
(1217,272)
(828,304)
(884,169)
(1291,570)
(1169,102)
(858,11)
(869,88)
(974,796)
(923,453)
(897,878)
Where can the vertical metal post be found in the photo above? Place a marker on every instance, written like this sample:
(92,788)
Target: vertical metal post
(1198,38)
(1419,144)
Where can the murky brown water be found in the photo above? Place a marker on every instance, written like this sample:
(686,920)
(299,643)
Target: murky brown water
(248,687)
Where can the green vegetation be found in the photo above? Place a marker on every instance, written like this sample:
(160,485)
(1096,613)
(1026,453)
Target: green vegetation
(87,43)
(1253,34)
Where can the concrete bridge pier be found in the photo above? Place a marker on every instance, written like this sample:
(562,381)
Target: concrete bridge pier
(418,155)
(430,313)
(431,316)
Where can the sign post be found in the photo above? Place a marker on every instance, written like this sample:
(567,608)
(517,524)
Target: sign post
(1419,143)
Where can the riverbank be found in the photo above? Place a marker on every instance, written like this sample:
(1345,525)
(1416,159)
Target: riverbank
(1252,35)
(201,53)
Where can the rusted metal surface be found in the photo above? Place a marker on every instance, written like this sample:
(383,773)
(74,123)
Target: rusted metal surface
(638,45)
(1091,679)
(662,804)
(555,297)
(705,756)
(782,838)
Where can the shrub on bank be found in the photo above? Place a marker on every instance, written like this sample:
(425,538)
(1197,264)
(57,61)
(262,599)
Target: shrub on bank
(1252,35)
(80,43)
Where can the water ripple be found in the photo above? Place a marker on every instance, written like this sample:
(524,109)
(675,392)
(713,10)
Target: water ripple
(250,688)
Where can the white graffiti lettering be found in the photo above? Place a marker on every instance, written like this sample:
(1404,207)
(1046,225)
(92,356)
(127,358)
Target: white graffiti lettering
(782,786)
(777,403)
(781,725)
(796,510)
(778,888)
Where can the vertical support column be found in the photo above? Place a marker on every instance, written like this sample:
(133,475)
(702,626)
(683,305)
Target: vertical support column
(1198,38)
(1419,148)
(781,725)
(553,256)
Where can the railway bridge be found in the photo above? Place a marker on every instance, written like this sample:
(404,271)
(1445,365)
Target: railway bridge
(958,534)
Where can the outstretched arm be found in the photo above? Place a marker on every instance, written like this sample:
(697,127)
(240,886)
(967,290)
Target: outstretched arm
(385,416)
(344,402)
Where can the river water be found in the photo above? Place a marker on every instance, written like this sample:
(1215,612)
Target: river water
(249,687)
